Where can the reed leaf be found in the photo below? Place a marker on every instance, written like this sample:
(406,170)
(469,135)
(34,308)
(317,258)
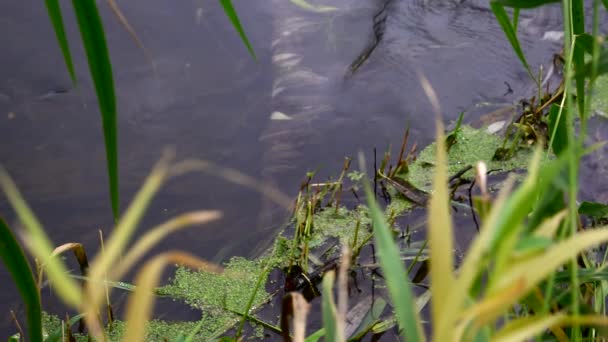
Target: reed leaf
(19,268)
(94,41)
(54,11)
(234,19)
(507,27)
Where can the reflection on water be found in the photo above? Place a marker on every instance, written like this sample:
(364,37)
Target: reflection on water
(209,99)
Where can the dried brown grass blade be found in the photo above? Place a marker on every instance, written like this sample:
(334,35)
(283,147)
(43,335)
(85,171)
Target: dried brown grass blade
(125,23)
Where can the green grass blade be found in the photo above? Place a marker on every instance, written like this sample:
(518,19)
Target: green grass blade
(519,204)
(330,320)
(505,23)
(605,2)
(261,280)
(397,282)
(13,257)
(578,26)
(124,230)
(195,331)
(525,3)
(54,11)
(558,130)
(232,15)
(316,335)
(601,67)
(93,38)
(515,19)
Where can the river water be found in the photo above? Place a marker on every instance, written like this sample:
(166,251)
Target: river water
(209,99)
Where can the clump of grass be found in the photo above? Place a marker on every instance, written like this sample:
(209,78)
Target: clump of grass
(108,265)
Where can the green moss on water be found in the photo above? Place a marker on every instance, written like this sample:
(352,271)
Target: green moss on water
(340,224)
(50,323)
(472,146)
(158,330)
(217,294)
(398,205)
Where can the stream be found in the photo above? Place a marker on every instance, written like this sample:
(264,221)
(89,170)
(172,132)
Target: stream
(207,98)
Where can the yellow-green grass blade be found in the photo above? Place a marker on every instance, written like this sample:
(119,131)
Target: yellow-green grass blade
(121,236)
(40,245)
(525,328)
(234,19)
(157,234)
(93,38)
(440,231)
(399,286)
(486,310)
(506,224)
(316,335)
(516,208)
(505,23)
(54,11)
(18,267)
(532,271)
(548,228)
(141,303)
(330,313)
(469,268)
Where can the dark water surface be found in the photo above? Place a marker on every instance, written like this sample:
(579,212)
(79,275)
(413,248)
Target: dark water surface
(208,99)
